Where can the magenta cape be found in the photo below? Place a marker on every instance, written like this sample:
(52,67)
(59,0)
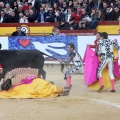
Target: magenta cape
(91,63)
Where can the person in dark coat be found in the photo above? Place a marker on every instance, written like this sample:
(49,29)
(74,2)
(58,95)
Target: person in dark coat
(72,25)
(18,32)
(108,13)
(13,18)
(41,15)
(116,13)
(59,15)
(63,25)
(50,15)
(3,17)
(32,17)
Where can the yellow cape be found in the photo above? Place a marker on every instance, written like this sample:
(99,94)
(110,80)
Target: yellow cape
(39,88)
(105,76)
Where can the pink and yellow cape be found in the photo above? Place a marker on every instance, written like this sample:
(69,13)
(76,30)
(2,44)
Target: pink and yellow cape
(91,63)
(32,88)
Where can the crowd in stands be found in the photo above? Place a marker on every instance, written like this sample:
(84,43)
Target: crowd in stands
(71,14)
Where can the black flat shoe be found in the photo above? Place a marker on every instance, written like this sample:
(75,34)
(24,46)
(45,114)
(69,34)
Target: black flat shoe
(101,89)
(112,91)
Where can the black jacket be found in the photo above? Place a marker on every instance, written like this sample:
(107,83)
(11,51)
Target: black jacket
(16,33)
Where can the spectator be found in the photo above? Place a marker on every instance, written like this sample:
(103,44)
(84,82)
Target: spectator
(43,5)
(77,14)
(68,15)
(84,14)
(108,13)
(61,3)
(26,6)
(75,4)
(13,18)
(70,4)
(32,17)
(58,33)
(63,25)
(94,17)
(54,1)
(59,16)
(15,7)
(53,31)
(101,16)
(18,32)
(8,9)
(64,8)
(72,25)
(91,4)
(116,13)
(30,7)
(18,2)
(23,2)
(50,15)
(47,7)
(80,3)
(20,10)
(105,5)
(1,6)
(22,18)
(86,7)
(3,17)
(84,24)
(118,4)
(26,13)
(41,16)
(55,6)
(99,4)
(112,3)
(10,2)
(35,4)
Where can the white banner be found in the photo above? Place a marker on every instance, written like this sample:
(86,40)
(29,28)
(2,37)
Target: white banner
(82,41)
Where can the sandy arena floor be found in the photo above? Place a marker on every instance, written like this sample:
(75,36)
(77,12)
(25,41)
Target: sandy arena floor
(81,104)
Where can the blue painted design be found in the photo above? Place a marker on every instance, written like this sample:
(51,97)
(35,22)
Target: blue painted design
(14,44)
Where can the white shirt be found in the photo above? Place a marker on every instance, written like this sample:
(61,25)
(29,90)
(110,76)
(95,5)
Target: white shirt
(33,2)
(1,20)
(68,17)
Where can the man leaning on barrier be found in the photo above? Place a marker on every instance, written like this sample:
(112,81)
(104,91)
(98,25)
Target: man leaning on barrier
(18,32)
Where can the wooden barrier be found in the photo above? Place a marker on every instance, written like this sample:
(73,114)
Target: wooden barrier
(45,29)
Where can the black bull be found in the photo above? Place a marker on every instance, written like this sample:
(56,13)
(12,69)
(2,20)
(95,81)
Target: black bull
(11,59)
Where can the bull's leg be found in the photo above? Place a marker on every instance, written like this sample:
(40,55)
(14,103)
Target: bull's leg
(43,73)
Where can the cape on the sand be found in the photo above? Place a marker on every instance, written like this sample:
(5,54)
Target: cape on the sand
(34,88)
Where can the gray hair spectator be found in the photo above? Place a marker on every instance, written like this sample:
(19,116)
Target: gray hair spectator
(84,24)
(8,9)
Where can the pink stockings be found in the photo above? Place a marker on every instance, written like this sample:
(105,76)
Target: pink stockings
(68,81)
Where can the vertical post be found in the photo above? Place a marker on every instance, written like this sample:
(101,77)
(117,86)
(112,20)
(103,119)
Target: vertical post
(119,26)
(119,22)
